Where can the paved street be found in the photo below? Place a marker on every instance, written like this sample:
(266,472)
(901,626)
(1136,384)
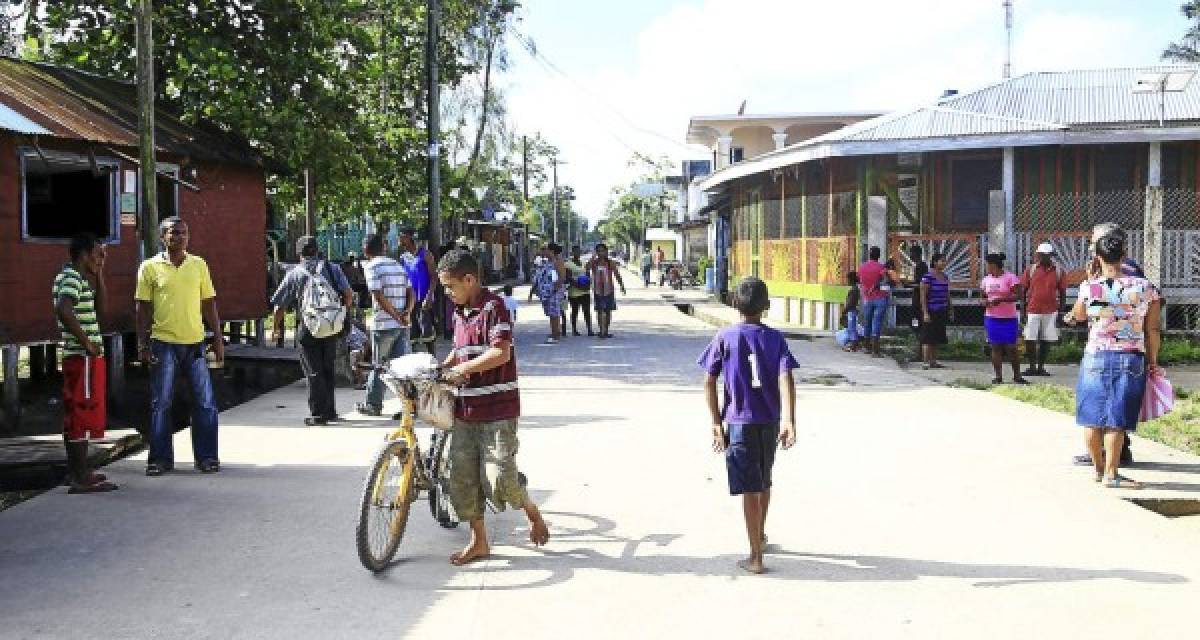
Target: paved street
(905,510)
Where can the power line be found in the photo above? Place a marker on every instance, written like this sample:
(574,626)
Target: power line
(528,44)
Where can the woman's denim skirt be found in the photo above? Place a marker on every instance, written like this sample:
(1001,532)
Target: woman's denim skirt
(1110,389)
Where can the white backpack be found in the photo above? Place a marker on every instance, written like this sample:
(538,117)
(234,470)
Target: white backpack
(320,306)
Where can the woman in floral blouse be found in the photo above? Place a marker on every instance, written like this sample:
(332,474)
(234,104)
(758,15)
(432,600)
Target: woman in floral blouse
(1122,348)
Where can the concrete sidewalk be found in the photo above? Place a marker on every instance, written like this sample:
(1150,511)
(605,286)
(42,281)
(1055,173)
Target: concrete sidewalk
(904,511)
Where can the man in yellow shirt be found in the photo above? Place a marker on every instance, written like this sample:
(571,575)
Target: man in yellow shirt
(175,297)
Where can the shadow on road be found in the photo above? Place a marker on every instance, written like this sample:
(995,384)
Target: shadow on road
(552,566)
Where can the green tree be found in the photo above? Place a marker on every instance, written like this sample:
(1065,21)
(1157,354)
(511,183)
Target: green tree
(1187,49)
(335,87)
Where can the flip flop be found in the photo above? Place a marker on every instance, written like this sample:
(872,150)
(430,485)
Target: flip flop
(1121,482)
(96,487)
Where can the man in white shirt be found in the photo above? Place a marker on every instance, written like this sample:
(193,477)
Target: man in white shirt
(392,298)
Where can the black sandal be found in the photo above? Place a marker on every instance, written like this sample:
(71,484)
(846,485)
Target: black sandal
(95,487)
(155,469)
(209,466)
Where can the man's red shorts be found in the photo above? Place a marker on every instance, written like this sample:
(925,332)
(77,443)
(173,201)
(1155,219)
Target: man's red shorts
(84,412)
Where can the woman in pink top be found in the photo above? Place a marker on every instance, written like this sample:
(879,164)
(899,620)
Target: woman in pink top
(1001,321)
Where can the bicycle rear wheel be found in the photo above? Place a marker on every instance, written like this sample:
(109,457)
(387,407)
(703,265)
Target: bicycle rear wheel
(388,494)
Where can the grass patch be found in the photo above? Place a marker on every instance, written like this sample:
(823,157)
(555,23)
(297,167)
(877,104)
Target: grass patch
(1179,429)
(1174,350)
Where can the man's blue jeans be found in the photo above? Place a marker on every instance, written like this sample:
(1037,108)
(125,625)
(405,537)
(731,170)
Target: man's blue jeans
(874,315)
(385,345)
(187,359)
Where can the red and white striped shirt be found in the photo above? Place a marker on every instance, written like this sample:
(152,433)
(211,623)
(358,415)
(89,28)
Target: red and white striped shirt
(492,394)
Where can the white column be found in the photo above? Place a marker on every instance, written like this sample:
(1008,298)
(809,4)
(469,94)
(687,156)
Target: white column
(1154,165)
(1009,185)
(780,140)
(724,145)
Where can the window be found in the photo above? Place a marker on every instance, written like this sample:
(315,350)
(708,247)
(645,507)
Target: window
(972,180)
(736,155)
(63,194)
(167,191)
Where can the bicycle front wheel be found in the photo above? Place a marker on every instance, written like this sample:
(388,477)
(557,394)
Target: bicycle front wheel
(383,513)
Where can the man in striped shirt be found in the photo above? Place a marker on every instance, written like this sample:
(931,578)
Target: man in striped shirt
(393,300)
(484,447)
(76,305)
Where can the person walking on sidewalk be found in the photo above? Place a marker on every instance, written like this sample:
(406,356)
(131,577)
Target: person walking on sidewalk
(1001,322)
(393,302)
(759,409)
(579,293)
(936,312)
(484,445)
(79,297)
(420,266)
(872,277)
(313,284)
(1045,293)
(647,261)
(604,271)
(174,299)
(547,285)
(1122,348)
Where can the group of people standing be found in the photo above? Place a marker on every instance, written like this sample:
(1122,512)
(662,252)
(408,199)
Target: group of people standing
(1121,307)
(583,285)
(174,301)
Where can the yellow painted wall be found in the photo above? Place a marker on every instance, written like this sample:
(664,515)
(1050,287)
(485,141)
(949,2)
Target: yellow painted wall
(668,247)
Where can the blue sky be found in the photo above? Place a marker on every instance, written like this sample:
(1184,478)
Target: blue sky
(659,62)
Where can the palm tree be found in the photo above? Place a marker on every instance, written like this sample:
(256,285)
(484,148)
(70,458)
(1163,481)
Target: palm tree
(1187,49)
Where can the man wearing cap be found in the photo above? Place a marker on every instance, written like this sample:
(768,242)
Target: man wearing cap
(318,356)
(1045,294)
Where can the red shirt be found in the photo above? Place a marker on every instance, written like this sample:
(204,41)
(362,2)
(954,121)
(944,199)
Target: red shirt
(492,394)
(1044,287)
(870,278)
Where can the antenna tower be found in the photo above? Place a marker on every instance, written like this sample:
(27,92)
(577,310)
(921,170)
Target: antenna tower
(1008,28)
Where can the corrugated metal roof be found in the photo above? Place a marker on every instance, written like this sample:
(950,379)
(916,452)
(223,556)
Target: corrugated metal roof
(1082,98)
(81,106)
(12,121)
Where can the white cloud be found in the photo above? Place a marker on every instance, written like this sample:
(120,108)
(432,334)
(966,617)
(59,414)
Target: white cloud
(704,57)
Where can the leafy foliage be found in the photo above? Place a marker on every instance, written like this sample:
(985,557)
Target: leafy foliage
(335,87)
(1187,49)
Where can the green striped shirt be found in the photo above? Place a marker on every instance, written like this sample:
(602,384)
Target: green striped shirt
(72,284)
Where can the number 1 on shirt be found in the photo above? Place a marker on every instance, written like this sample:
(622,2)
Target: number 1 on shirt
(754,379)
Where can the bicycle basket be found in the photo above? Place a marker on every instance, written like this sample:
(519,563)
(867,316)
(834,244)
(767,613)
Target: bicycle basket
(435,405)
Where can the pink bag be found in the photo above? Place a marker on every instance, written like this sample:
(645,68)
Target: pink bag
(1159,398)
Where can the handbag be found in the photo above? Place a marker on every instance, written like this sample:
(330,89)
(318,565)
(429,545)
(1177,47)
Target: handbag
(1159,398)
(435,405)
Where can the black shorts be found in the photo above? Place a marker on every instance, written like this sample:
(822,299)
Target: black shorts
(934,331)
(750,456)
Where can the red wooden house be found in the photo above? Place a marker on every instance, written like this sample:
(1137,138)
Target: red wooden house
(68,148)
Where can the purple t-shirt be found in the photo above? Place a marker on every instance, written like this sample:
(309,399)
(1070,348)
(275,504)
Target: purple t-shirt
(750,358)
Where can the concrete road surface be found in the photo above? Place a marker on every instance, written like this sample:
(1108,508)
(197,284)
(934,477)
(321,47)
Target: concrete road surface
(906,510)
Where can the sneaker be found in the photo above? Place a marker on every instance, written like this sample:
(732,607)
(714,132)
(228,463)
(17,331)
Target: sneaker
(1031,371)
(211,465)
(314,421)
(368,410)
(155,469)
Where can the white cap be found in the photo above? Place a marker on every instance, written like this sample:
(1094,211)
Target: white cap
(1046,248)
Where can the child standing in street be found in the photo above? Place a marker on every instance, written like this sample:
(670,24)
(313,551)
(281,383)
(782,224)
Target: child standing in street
(759,409)
(483,449)
(850,311)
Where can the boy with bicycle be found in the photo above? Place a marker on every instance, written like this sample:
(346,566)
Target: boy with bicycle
(483,448)
(759,413)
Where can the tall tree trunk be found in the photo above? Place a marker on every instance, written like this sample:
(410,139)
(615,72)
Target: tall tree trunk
(484,110)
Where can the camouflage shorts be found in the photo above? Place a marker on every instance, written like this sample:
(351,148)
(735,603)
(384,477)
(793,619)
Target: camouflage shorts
(483,465)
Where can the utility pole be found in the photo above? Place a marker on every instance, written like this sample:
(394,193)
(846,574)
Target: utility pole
(431,78)
(554,196)
(525,166)
(1008,28)
(310,208)
(145,86)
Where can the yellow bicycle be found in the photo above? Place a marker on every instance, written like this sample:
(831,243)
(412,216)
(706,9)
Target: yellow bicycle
(397,476)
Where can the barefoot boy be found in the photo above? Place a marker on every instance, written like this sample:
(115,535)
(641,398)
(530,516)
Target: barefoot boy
(756,364)
(484,447)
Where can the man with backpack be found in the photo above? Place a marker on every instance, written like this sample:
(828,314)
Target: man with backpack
(393,299)
(322,297)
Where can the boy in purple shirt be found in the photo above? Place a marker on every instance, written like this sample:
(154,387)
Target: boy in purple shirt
(756,364)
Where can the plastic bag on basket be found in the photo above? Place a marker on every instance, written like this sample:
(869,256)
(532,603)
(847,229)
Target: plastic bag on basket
(1159,398)
(435,405)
